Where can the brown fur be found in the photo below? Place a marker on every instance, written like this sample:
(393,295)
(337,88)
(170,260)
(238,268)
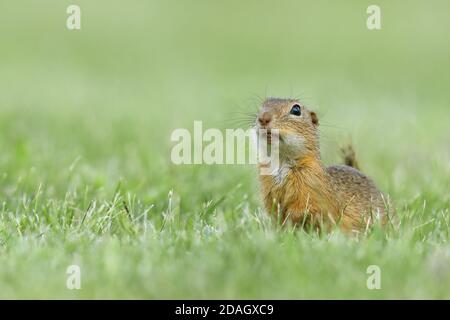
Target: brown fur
(349,156)
(303,190)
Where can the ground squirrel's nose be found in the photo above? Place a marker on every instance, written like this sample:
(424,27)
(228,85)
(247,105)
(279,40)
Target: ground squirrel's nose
(264,118)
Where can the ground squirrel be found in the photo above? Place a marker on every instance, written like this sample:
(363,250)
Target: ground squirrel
(302,190)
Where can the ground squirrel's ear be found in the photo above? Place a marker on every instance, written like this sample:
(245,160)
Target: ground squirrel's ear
(314,119)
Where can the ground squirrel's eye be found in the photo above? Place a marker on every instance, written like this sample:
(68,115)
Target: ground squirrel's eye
(296,110)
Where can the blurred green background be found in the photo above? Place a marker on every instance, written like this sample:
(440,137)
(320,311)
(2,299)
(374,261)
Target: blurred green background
(86,115)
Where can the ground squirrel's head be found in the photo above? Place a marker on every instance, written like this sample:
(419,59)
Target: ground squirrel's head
(297,126)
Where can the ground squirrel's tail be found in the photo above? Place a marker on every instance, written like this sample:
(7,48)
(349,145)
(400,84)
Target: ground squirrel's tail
(348,153)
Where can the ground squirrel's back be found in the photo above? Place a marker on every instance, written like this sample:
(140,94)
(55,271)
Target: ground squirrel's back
(362,197)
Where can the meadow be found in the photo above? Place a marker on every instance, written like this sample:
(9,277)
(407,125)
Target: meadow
(85,122)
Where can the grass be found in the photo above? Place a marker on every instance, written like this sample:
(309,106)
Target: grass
(85,171)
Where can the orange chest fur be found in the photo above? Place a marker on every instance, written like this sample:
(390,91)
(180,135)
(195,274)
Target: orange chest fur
(298,191)
(287,190)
